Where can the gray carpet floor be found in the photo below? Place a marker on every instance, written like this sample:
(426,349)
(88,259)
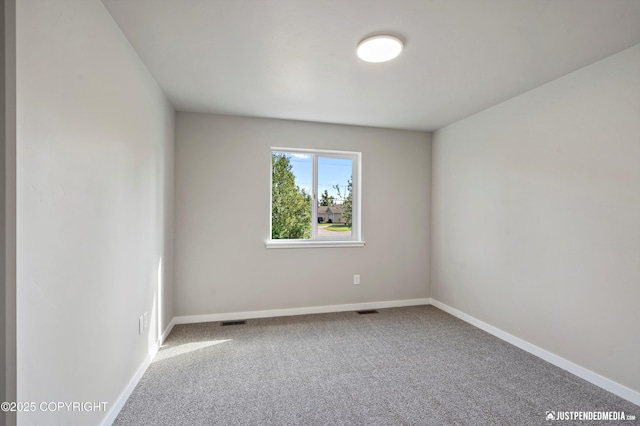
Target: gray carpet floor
(401,366)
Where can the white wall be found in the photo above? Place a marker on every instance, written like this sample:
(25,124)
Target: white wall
(94,167)
(536,217)
(223,167)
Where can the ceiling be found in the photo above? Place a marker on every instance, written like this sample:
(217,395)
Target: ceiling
(295,59)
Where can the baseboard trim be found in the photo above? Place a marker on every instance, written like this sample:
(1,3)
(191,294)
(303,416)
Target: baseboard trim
(124,395)
(167,330)
(588,375)
(231,316)
(128,390)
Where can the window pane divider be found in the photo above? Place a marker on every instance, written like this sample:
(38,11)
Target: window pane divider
(314,199)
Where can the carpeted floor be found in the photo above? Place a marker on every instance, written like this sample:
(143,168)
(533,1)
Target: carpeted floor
(401,366)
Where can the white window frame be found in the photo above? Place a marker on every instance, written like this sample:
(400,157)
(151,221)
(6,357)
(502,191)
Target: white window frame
(355,239)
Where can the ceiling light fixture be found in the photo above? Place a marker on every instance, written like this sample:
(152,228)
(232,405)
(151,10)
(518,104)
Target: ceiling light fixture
(379,48)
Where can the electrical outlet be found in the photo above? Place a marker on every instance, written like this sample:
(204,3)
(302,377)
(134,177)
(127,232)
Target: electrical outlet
(145,320)
(140,324)
(356,279)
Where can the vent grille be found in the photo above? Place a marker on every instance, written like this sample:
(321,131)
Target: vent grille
(241,322)
(367,312)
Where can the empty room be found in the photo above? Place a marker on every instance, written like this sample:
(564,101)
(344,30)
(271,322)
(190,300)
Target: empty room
(296,212)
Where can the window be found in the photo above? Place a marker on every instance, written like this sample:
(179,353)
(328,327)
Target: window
(315,198)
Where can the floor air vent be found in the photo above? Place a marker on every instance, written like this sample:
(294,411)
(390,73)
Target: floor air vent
(225,323)
(367,312)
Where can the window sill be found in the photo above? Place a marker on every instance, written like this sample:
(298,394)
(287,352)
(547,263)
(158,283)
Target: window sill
(284,244)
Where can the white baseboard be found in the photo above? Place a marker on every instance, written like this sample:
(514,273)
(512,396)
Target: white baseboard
(167,331)
(588,375)
(126,393)
(232,316)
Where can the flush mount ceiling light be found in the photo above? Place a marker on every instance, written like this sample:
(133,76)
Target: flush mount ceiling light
(379,48)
